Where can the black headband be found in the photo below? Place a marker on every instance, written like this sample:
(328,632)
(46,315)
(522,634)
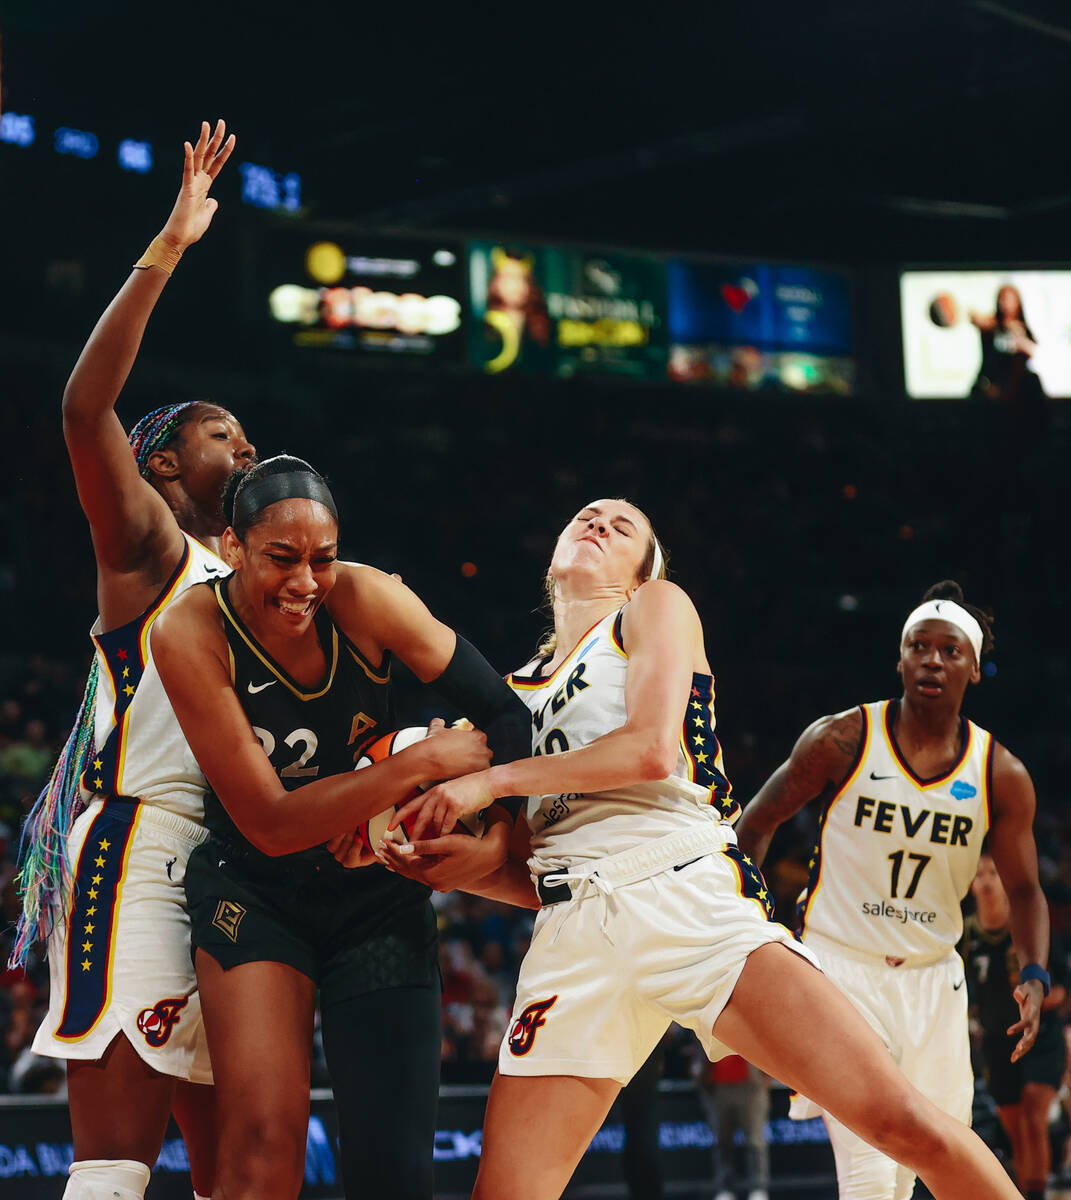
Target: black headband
(287,485)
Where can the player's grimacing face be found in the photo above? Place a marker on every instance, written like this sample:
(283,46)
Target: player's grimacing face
(937,661)
(287,565)
(606,541)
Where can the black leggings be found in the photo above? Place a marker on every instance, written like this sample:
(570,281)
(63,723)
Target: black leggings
(383,1051)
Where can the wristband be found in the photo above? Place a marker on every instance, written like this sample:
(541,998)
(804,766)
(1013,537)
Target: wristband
(1035,971)
(159,254)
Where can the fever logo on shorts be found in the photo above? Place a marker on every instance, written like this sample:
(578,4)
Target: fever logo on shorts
(157,1022)
(228,917)
(522,1034)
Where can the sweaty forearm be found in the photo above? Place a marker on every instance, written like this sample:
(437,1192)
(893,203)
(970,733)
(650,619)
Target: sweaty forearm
(286,822)
(510,884)
(620,758)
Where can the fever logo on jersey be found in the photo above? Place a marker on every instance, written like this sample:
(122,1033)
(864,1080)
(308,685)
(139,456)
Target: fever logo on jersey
(522,1035)
(157,1022)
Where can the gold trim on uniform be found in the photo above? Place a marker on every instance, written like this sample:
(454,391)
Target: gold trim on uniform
(276,671)
(228,917)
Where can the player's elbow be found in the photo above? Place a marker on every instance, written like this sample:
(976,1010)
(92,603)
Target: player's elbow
(657,757)
(265,829)
(75,407)
(272,845)
(274,839)
(265,839)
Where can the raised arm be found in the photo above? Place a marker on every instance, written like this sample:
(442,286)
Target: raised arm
(190,651)
(820,760)
(1011,842)
(129,520)
(665,645)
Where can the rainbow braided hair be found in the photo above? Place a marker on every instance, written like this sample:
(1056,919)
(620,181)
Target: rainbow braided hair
(155,430)
(45,877)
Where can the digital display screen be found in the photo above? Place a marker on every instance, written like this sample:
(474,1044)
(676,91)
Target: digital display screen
(759,326)
(997,336)
(372,294)
(564,311)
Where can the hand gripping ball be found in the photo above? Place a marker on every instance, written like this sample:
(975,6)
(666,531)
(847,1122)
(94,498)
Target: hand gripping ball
(374,830)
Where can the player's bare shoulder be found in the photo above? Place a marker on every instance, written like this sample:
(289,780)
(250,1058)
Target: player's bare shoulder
(360,592)
(657,602)
(662,594)
(832,742)
(1012,787)
(192,619)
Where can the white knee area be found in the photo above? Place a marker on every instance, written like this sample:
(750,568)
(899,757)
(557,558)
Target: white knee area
(106,1179)
(863,1173)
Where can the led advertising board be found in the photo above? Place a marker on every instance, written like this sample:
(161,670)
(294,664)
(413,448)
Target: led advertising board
(370,294)
(565,310)
(760,326)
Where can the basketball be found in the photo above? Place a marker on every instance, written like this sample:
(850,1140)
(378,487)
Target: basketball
(373,831)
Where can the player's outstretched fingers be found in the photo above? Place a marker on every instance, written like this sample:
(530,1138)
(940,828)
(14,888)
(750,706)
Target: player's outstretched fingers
(409,811)
(1026,1041)
(225,151)
(201,146)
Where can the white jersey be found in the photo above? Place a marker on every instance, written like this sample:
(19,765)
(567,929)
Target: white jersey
(583,700)
(141,751)
(896,853)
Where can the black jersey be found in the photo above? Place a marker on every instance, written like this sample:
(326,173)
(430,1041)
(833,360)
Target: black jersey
(307,734)
(992,968)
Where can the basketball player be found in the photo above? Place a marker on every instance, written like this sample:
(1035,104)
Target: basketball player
(106,888)
(650,911)
(279,676)
(1023,1091)
(909,789)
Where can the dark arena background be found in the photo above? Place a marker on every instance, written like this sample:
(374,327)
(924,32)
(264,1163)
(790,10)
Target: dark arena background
(481,266)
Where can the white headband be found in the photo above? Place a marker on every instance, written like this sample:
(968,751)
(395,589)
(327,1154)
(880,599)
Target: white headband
(657,562)
(954,614)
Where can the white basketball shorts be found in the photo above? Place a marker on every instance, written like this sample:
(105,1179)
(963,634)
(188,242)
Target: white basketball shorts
(119,957)
(919,1012)
(609,969)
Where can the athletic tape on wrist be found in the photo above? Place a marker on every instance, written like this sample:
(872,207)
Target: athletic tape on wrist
(159,254)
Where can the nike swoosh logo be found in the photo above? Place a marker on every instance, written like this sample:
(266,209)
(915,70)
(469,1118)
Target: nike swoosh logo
(873,776)
(261,686)
(957,986)
(687,864)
